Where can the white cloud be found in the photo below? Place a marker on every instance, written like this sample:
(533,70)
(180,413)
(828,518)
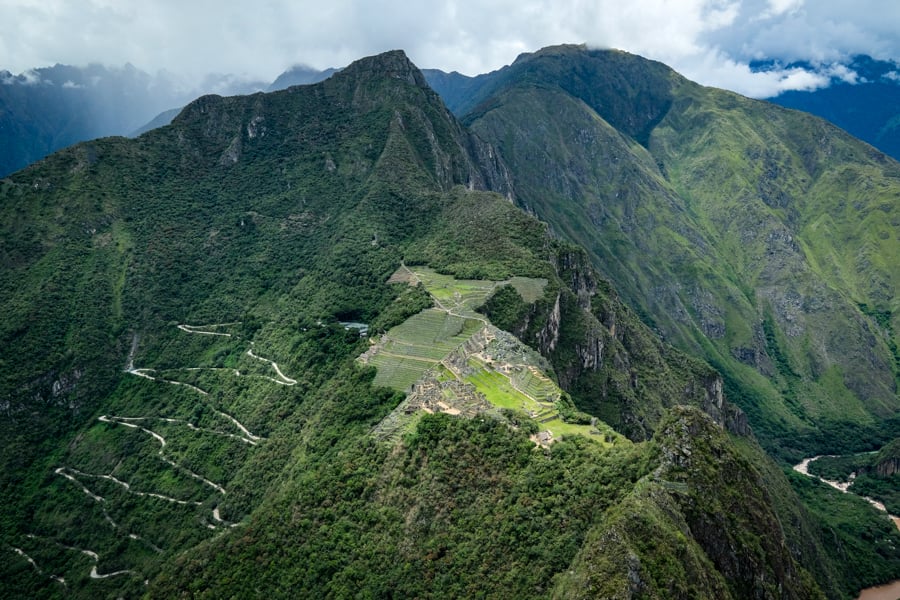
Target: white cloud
(841,72)
(710,40)
(779,7)
(30,77)
(718,70)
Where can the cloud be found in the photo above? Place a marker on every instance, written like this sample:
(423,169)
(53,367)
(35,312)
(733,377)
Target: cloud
(721,71)
(31,77)
(712,41)
(779,7)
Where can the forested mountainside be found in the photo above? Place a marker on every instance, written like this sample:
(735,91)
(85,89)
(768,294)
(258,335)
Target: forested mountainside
(304,344)
(762,239)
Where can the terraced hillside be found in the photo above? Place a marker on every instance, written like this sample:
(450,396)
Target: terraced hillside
(451,359)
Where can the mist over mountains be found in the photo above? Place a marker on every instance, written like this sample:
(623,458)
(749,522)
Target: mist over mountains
(45,109)
(50,108)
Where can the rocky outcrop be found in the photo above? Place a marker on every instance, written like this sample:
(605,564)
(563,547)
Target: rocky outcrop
(887,461)
(612,364)
(548,336)
(727,508)
(575,270)
(888,467)
(713,403)
(705,504)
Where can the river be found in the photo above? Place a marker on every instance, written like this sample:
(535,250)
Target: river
(888,591)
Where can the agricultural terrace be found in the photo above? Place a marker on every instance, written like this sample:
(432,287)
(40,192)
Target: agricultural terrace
(420,343)
(432,341)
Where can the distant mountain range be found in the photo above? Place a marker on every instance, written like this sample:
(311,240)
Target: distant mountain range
(50,108)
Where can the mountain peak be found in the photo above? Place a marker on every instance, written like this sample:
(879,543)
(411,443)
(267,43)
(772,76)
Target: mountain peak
(555,50)
(393,63)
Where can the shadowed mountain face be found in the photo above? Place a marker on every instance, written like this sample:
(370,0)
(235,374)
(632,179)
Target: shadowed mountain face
(760,238)
(186,411)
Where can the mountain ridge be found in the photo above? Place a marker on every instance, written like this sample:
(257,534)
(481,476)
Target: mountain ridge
(176,297)
(703,180)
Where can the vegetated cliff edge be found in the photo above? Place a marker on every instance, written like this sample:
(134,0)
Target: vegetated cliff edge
(757,237)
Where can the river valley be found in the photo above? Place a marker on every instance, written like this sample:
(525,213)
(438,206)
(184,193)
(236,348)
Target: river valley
(888,591)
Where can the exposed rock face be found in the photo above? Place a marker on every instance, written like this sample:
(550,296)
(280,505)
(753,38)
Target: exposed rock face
(709,231)
(492,174)
(485,169)
(232,127)
(888,467)
(601,352)
(695,451)
(724,414)
(887,462)
(591,355)
(705,504)
(578,276)
(548,336)
(54,388)
(66,382)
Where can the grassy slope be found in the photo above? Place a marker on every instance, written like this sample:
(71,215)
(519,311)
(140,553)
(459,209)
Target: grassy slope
(727,229)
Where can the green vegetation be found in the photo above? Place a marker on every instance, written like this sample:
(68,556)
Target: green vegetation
(183,405)
(862,539)
(506,308)
(883,489)
(439,342)
(758,238)
(872,474)
(839,468)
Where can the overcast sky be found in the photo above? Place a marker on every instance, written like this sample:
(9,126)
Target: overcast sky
(710,41)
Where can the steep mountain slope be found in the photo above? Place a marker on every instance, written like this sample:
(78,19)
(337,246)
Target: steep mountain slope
(868,108)
(186,412)
(762,239)
(298,75)
(237,213)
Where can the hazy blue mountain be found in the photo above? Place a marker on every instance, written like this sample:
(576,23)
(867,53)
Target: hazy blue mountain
(868,107)
(50,108)
(163,118)
(300,75)
(456,89)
